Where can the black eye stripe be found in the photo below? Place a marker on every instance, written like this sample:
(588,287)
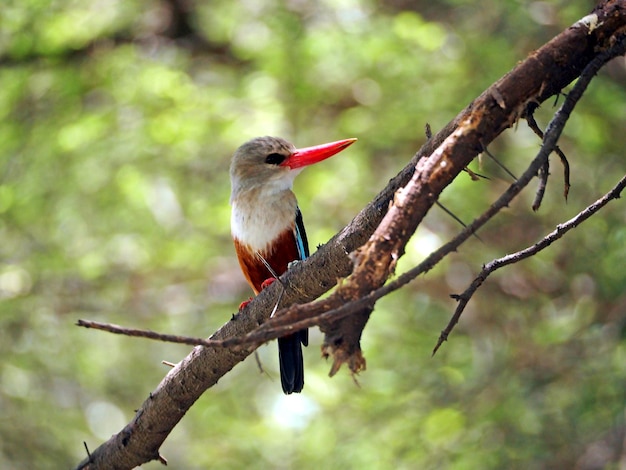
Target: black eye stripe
(275,159)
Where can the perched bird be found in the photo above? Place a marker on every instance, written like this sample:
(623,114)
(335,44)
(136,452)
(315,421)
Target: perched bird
(267,228)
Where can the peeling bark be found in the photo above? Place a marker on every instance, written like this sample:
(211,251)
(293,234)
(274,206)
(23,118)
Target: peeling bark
(544,73)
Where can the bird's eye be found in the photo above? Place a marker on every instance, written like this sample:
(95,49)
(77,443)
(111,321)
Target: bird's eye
(275,159)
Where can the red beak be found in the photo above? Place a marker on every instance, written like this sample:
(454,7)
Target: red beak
(309,155)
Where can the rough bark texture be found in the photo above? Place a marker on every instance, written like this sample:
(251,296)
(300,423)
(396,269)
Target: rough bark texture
(544,73)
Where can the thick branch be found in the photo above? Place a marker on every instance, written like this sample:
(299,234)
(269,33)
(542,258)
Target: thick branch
(301,316)
(495,110)
(544,73)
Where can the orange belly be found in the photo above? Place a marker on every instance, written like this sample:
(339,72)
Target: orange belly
(278,255)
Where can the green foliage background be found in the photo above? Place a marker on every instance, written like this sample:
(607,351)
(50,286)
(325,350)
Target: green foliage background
(118,120)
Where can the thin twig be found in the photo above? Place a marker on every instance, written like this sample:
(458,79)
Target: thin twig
(87,450)
(259,364)
(475,176)
(268,267)
(501,165)
(455,217)
(428,131)
(544,172)
(550,138)
(120,330)
(530,119)
(276,277)
(492,266)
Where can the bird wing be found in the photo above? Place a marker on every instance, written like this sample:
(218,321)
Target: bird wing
(303,251)
(300,233)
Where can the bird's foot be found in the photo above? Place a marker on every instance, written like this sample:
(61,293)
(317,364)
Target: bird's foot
(264,285)
(268,282)
(244,304)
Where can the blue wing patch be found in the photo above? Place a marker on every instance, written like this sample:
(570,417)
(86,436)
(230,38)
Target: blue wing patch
(301,240)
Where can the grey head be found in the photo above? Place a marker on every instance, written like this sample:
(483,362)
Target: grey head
(258,164)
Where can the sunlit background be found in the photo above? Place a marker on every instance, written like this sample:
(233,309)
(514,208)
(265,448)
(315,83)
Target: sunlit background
(118,120)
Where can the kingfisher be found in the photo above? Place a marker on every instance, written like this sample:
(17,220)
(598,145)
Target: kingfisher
(267,226)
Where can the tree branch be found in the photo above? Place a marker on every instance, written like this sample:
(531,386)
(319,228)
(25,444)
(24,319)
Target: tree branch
(120,330)
(494,111)
(300,316)
(496,264)
(544,73)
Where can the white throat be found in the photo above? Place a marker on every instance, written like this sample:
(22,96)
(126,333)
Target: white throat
(261,214)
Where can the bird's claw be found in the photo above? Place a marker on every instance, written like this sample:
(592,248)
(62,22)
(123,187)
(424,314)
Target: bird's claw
(244,304)
(264,285)
(268,282)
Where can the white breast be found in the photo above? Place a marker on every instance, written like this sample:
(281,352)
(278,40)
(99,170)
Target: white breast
(258,221)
